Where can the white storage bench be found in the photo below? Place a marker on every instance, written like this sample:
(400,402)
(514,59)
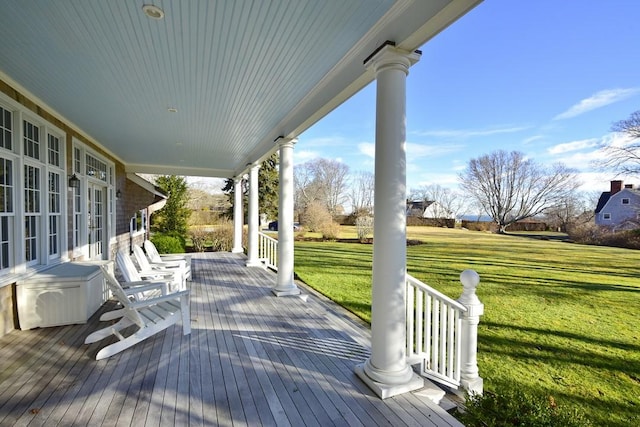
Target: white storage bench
(62,295)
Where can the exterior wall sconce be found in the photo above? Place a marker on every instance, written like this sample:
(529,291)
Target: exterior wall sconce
(118,194)
(74,181)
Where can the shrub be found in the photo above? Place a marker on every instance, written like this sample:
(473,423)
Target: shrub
(516,408)
(330,230)
(168,244)
(198,237)
(222,237)
(315,217)
(364,227)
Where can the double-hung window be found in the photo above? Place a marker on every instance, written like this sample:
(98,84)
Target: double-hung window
(54,181)
(6,188)
(32,192)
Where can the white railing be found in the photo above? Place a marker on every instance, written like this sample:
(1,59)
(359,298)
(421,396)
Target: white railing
(442,333)
(268,251)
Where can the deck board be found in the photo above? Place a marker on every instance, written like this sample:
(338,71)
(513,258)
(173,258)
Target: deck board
(251,359)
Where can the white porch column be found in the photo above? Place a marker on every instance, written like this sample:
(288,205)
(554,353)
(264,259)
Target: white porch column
(238,217)
(284,282)
(253,260)
(387,371)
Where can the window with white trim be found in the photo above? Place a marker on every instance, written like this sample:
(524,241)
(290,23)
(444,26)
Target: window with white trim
(6,212)
(32,213)
(606,216)
(92,169)
(54,180)
(625,201)
(6,132)
(32,184)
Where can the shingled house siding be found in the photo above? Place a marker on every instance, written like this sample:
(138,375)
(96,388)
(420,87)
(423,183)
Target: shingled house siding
(618,212)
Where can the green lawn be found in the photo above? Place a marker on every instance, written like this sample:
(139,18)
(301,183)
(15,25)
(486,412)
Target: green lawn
(560,319)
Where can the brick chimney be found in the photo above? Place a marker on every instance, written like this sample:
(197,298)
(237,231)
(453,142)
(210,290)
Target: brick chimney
(615,187)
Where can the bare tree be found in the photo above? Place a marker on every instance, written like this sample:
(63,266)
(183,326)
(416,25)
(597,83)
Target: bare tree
(510,187)
(321,180)
(623,157)
(361,191)
(570,212)
(450,203)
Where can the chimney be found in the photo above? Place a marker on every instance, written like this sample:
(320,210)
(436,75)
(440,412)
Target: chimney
(615,187)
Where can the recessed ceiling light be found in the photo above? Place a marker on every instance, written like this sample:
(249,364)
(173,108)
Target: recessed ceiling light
(172,110)
(153,11)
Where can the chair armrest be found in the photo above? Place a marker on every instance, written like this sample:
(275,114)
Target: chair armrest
(135,287)
(169,264)
(153,301)
(156,273)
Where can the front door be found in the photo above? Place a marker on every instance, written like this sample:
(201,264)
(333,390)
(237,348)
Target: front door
(96,199)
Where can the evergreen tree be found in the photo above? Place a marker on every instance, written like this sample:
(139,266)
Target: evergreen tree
(268,189)
(172,218)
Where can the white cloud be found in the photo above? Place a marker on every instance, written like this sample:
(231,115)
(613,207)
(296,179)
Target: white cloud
(368,149)
(532,139)
(616,139)
(302,156)
(414,150)
(573,146)
(597,100)
(470,133)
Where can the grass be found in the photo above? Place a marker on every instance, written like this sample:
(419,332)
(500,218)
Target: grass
(560,319)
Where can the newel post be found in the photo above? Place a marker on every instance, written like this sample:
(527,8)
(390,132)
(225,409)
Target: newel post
(469,378)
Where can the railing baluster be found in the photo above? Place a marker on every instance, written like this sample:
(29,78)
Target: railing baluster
(442,333)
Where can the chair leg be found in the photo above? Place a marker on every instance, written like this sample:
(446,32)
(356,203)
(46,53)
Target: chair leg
(112,315)
(108,331)
(117,347)
(186,315)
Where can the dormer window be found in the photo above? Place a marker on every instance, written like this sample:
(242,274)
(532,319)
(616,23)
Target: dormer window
(625,201)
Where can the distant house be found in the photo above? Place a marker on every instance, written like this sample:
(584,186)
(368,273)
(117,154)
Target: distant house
(619,208)
(428,209)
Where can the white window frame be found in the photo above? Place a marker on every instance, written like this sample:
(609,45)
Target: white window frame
(606,216)
(13,246)
(79,152)
(626,201)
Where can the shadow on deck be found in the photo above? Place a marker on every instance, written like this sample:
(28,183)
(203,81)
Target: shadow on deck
(251,359)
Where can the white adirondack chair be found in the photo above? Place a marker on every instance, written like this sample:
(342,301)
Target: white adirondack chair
(132,274)
(145,265)
(155,257)
(181,264)
(150,315)
(153,253)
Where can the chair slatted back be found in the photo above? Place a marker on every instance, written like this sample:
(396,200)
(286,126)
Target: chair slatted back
(143,262)
(121,296)
(152,251)
(127,268)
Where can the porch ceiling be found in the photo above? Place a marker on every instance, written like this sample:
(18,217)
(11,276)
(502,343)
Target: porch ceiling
(239,73)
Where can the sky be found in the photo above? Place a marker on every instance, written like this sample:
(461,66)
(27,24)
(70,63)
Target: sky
(544,77)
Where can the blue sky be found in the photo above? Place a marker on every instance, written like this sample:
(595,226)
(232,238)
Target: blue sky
(544,77)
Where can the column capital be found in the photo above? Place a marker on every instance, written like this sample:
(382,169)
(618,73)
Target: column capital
(254,166)
(389,56)
(286,142)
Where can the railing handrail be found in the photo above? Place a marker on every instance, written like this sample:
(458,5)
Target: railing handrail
(267,237)
(428,289)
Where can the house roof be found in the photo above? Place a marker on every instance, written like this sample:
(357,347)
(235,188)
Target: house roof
(206,90)
(602,201)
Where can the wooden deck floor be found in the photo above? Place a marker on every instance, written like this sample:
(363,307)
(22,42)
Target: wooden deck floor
(251,359)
